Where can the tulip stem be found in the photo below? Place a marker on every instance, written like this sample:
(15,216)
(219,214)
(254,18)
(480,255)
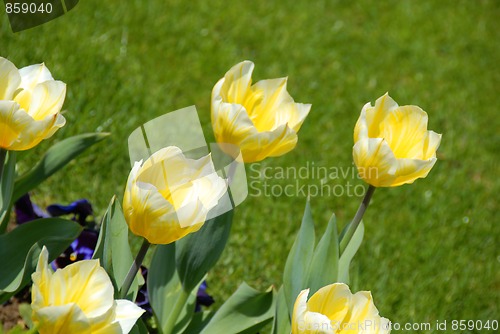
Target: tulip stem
(134,268)
(3,155)
(176,311)
(353,225)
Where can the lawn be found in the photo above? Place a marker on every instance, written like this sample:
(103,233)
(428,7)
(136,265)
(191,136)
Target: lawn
(431,249)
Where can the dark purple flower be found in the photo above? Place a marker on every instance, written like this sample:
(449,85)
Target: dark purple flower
(202,297)
(80,249)
(26,211)
(81,209)
(142,299)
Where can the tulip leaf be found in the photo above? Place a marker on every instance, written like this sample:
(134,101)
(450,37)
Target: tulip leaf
(299,259)
(113,248)
(348,254)
(139,328)
(56,157)
(20,248)
(165,290)
(199,321)
(325,262)
(198,252)
(282,322)
(246,311)
(7,178)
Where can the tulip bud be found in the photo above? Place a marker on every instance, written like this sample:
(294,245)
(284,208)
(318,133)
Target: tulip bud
(261,119)
(169,196)
(392,145)
(30,105)
(334,309)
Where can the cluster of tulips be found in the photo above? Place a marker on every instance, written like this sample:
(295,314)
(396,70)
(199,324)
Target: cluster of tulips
(169,201)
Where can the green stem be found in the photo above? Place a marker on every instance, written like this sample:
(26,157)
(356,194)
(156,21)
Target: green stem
(176,311)
(351,228)
(134,268)
(3,155)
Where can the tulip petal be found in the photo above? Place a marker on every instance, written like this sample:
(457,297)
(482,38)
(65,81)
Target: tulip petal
(36,131)
(12,122)
(47,99)
(33,75)
(10,79)
(127,314)
(332,301)
(404,130)
(431,144)
(85,283)
(317,323)
(237,82)
(408,170)
(64,319)
(375,161)
(299,312)
(376,115)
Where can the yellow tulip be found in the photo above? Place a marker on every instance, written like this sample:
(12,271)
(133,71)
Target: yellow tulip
(169,196)
(262,119)
(30,105)
(392,145)
(334,309)
(78,300)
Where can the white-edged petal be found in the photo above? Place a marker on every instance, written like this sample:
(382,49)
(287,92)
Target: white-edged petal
(127,314)
(10,79)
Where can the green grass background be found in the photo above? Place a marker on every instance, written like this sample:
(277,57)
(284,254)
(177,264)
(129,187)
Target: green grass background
(431,249)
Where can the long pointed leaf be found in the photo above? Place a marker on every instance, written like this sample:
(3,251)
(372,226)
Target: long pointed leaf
(113,248)
(7,188)
(56,157)
(20,248)
(245,312)
(299,259)
(349,252)
(325,262)
(197,253)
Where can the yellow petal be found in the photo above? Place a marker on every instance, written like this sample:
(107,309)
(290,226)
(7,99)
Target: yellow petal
(404,129)
(375,162)
(408,170)
(332,301)
(85,283)
(12,123)
(47,99)
(63,319)
(431,144)
(237,82)
(10,79)
(376,115)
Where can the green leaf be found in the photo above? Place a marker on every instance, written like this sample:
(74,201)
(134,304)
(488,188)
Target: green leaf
(299,260)
(20,248)
(282,321)
(198,252)
(325,262)
(139,327)
(348,254)
(59,155)
(246,311)
(7,178)
(113,249)
(199,321)
(165,289)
